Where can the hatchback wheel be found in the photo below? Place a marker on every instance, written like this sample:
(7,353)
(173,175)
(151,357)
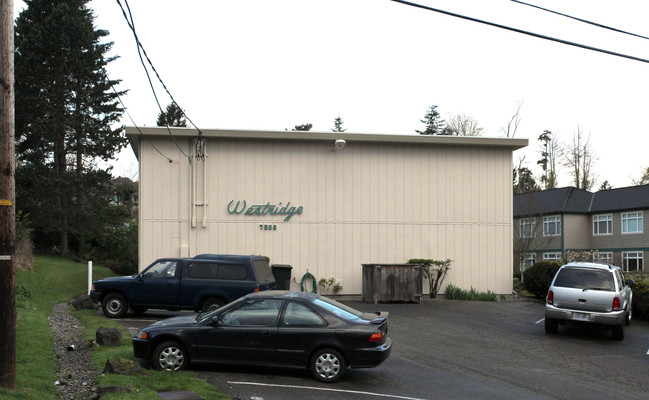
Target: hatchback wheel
(618,332)
(328,365)
(170,356)
(551,325)
(114,305)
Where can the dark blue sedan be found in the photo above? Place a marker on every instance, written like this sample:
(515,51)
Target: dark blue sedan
(278,328)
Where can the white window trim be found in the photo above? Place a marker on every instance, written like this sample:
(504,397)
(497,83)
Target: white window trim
(553,219)
(524,222)
(625,259)
(639,216)
(603,256)
(548,256)
(609,218)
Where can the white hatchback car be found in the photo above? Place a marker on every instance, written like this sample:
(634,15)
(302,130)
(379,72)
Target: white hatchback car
(591,293)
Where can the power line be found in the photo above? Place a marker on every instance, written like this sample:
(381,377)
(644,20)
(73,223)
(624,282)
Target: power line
(137,127)
(581,20)
(140,51)
(509,28)
(119,98)
(131,25)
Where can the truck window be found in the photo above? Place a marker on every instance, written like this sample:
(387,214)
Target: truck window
(233,272)
(217,271)
(263,271)
(203,270)
(162,269)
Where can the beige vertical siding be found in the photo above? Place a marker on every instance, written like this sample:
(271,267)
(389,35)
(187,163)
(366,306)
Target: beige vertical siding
(578,231)
(370,202)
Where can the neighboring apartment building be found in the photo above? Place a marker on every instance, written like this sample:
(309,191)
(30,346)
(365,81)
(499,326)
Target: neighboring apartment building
(608,224)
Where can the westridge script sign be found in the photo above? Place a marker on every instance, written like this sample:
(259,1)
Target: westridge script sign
(241,207)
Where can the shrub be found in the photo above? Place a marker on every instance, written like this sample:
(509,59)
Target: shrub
(455,293)
(116,248)
(329,285)
(538,277)
(433,270)
(641,299)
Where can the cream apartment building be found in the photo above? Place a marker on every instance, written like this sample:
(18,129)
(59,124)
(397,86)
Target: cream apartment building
(326,203)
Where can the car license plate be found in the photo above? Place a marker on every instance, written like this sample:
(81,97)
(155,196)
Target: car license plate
(580,316)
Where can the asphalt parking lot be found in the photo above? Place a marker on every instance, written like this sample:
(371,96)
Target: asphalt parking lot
(460,350)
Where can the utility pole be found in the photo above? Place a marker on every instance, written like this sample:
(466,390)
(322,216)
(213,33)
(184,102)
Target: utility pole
(7,200)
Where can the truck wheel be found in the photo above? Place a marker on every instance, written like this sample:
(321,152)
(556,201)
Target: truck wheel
(551,325)
(617,331)
(212,304)
(114,305)
(170,356)
(629,315)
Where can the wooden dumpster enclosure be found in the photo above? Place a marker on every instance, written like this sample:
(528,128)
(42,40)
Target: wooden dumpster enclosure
(392,283)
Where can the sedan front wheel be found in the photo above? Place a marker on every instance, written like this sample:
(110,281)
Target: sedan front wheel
(328,365)
(169,356)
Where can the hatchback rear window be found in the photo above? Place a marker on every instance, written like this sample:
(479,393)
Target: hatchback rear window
(581,278)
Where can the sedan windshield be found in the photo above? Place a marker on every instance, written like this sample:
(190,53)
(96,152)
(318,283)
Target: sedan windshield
(338,309)
(586,279)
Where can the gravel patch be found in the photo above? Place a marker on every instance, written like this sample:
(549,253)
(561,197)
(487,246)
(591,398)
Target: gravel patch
(75,370)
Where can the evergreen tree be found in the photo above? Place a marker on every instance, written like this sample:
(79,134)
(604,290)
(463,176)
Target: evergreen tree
(338,125)
(434,123)
(303,127)
(66,112)
(172,116)
(549,150)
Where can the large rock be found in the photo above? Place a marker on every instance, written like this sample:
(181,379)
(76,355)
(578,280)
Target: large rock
(108,336)
(83,302)
(122,366)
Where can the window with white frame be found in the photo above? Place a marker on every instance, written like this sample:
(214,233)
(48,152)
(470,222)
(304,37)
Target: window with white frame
(632,222)
(530,259)
(552,256)
(527,227)
(604,257)
(552,225)
(603,224)
(632,261)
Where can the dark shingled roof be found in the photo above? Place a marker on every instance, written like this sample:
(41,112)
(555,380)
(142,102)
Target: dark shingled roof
(622,199)
(572,200)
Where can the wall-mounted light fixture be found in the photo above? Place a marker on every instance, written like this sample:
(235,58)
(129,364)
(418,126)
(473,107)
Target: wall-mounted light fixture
(339,144)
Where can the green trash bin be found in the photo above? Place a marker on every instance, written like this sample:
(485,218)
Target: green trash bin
(282,274)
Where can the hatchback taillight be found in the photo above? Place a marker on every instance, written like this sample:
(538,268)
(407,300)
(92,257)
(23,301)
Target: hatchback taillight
(617,304)
(550,298)
(377,337)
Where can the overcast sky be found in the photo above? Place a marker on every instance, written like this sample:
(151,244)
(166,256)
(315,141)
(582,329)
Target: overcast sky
(378,64)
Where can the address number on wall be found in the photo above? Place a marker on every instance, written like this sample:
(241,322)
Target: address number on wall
(263,227)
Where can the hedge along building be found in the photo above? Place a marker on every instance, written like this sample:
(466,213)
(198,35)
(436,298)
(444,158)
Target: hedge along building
(326,203)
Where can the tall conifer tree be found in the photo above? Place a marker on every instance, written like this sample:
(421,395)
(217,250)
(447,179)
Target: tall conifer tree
(66,111)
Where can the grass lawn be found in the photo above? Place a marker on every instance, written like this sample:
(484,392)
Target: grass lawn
(54,280)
